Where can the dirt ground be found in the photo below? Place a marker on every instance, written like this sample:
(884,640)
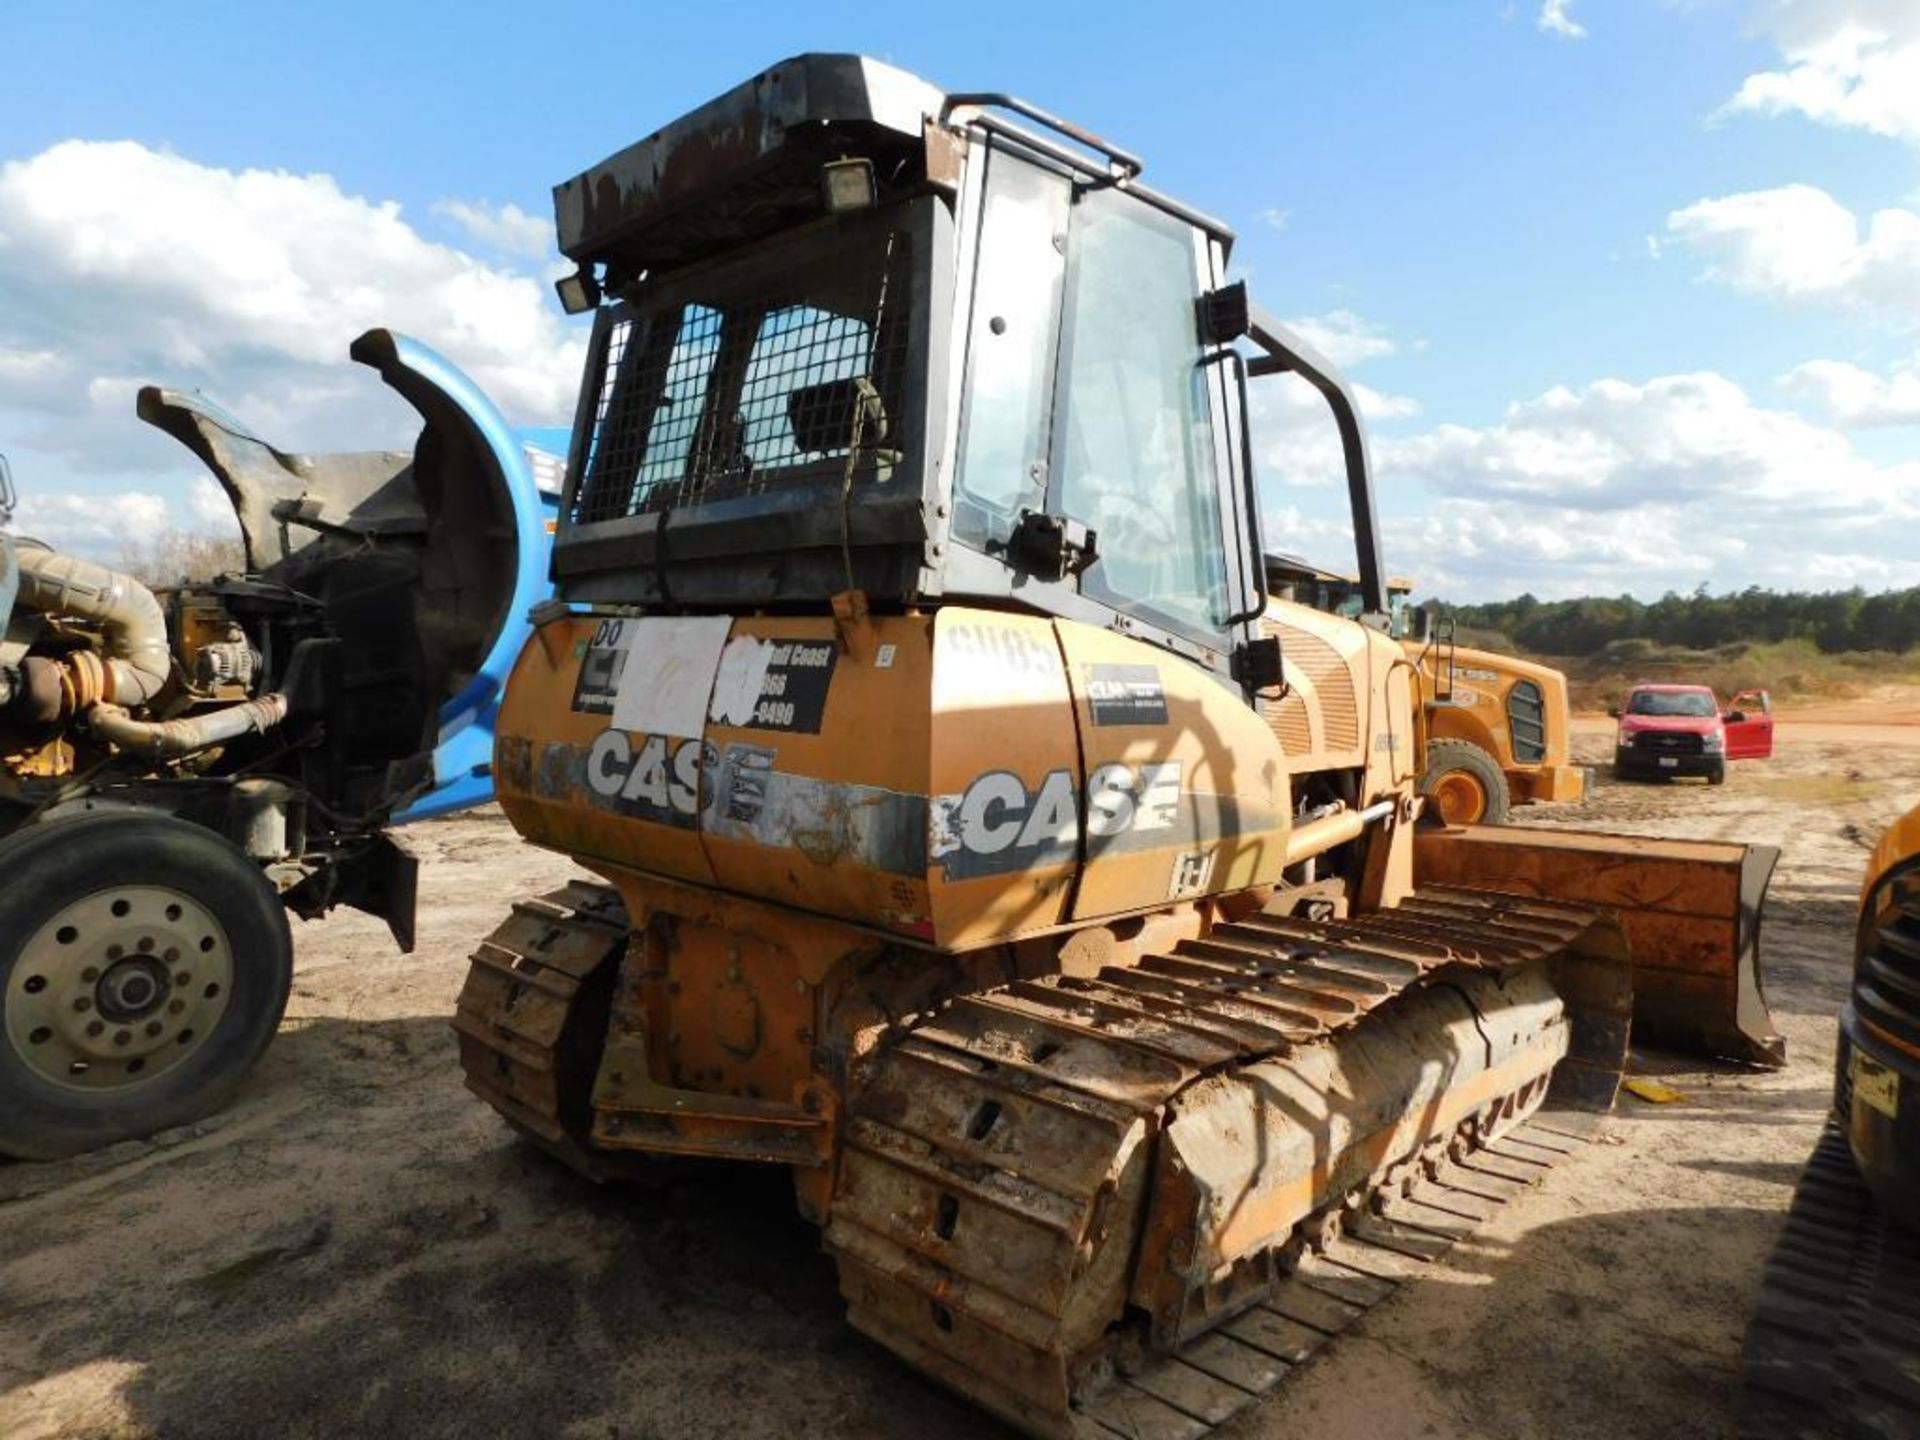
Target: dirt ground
(357,1247)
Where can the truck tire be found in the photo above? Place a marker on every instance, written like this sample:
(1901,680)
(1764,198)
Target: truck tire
(1718,774)
(1463,786)
(144,967)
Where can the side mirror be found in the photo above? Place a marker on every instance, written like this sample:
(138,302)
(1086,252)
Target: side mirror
(1734,717)
(1613,711)
(1256,664)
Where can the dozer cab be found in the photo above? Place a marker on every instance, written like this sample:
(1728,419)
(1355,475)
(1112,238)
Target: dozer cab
(979,841)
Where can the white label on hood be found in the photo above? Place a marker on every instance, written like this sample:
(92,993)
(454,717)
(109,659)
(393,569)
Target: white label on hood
(668,677)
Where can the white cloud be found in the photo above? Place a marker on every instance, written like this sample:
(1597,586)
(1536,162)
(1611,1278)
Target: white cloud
(504,228)
(1555,20)
(1276,218)
(1344,338)
(1321,539)
(1377,407)
(1611,486)
(1854,398)
(97,524)
(1616,445)
(1849,63)
(1295,443)
(1644,486)
(122,265)
(208,508)
(1796,242)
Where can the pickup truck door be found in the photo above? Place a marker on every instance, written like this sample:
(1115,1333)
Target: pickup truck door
(1750,738)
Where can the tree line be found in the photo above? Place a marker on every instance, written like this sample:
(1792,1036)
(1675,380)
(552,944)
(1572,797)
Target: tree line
(1836,621)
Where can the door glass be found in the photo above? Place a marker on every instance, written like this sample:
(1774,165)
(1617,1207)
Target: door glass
(1012,334)
(1133,438)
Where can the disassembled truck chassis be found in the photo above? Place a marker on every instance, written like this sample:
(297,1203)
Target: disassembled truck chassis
(178,769)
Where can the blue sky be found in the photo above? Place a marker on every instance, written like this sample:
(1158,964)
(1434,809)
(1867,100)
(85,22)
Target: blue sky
(1590,259)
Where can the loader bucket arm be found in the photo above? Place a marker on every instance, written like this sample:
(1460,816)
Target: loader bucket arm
(1690,908)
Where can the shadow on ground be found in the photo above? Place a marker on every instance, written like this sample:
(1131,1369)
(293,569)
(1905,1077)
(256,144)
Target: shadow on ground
(382,1258)
(344,1268)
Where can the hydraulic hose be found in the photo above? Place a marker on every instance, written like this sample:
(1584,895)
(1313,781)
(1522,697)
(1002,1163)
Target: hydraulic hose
(129,616)
(170,739)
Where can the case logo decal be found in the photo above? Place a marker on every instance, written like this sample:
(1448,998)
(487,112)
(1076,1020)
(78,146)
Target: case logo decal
(996,824)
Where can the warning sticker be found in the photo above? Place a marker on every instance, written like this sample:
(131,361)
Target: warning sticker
(600,669)
(1126,695)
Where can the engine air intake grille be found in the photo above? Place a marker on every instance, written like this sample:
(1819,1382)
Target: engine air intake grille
(1886,982)
(1332,682)
(754,386)
(1527,721)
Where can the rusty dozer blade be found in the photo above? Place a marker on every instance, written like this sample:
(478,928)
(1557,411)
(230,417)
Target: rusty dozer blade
(1690,908)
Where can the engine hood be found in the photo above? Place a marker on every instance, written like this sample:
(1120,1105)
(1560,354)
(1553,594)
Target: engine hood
(426,563)
(1670,724)
(1501,663)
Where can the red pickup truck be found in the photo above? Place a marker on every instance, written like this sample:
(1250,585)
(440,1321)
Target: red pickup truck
(1681,730)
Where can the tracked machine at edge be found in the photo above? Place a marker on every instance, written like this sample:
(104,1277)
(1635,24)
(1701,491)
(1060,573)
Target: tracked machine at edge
(979,840)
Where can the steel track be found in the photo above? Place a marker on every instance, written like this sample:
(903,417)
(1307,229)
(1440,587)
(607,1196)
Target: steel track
(1834,1346)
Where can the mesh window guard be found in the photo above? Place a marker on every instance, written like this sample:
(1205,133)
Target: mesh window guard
(756,385)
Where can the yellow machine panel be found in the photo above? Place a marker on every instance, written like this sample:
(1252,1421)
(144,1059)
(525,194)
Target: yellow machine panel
(1186,790)
(1004,822)
(1513,709)
(570,779)
(814,772)
(1321,718)
(866,776)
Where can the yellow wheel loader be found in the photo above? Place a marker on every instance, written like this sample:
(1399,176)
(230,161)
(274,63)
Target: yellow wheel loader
(977,839)
(1499,730)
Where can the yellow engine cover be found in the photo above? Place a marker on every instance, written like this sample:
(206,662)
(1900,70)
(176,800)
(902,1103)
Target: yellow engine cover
(962,777)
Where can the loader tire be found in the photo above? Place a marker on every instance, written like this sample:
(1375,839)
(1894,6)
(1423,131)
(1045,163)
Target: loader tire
(1463,786)
(144,967)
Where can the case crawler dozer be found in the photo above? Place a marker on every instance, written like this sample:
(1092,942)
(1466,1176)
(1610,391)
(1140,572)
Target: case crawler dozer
(979,841)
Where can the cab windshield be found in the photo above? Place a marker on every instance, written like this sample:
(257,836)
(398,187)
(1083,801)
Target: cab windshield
(1689,704)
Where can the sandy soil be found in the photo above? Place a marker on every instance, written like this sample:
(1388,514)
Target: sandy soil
(357,1247)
